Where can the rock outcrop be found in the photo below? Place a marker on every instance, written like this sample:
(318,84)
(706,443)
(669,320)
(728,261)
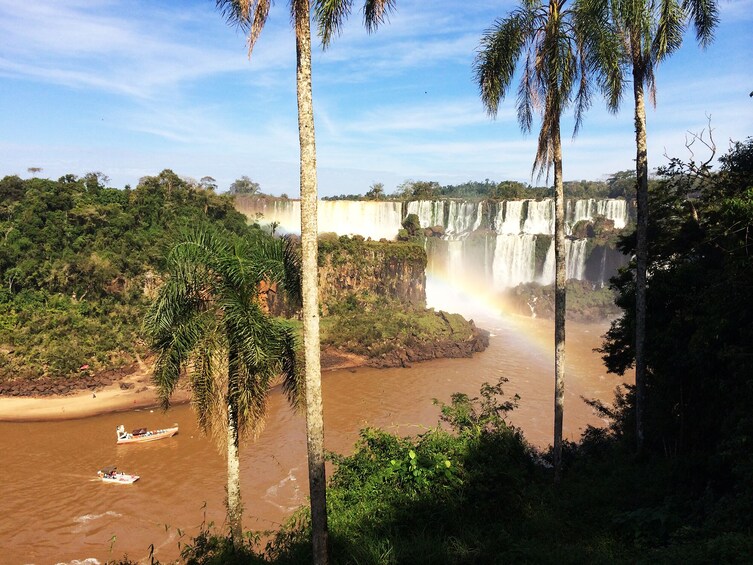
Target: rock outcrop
(424,351)
(353,266)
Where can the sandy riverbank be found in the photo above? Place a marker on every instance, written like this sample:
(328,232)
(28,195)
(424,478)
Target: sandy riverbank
(141,393)
(85,403)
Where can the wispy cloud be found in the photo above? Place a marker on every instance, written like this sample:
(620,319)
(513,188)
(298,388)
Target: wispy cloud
(177,90)
(82,45)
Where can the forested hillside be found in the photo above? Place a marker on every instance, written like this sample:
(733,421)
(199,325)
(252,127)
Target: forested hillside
(78,261)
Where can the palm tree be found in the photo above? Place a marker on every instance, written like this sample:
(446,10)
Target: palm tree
(251,15)
(559,56)
(649,31)
(207,322)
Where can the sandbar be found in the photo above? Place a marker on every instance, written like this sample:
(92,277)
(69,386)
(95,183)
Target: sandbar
(114,398)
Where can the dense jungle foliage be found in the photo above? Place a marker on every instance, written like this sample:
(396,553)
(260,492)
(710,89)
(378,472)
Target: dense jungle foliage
(473,491)
(78,260)
(617,185)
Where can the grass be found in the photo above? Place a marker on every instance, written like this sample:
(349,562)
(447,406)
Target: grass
(370,325)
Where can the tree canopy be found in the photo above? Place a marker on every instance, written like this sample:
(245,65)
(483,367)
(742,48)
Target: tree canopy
(75,239)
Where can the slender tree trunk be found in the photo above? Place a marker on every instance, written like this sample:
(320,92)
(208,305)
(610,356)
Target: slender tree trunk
(309,268)
(234,504)
(559,303)
(641,253)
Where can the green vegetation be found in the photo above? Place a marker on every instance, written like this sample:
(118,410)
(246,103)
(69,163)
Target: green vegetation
(700,320)
(584,302)
(244,185)
(343,249)
(473,491)
(79,260)
(80,263)
(208,323)
(371,325)
(618,185)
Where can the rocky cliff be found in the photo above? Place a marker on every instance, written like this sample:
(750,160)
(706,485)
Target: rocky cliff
(352,267)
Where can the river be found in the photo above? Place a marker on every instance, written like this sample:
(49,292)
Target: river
(55,510)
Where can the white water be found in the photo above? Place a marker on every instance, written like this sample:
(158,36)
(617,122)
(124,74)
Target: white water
(575,261)
(514,260)
(376,220)
(512,234)
(510,216)
(430,213)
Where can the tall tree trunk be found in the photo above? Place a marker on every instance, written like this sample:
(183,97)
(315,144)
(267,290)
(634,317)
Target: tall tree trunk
(309,266)
(234,504)
(641,252)
(559,302)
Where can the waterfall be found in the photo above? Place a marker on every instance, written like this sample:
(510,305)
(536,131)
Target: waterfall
(463,218)
(540,217)
(510,216)
(514,260)
(575,261)
(376,220)
(430,212)
(581,210)
(613,209)
(587,209)
(496,250)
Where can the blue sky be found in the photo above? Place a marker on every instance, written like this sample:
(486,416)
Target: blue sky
(130,87)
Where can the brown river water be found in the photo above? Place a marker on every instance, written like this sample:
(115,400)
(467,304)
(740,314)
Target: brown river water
(55,510)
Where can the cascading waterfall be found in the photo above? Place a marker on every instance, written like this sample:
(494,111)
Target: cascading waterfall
(613,209)
(463,218)
(588,209)
(510,217)
(540,218)
(376,220)
(514,260)
(575,261)
(430,212)
(513,245)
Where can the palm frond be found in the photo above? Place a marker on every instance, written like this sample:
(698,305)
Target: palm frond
(671,24)
(601,43)
(252,396)
(248,15)
(235,12)
(290,367)
(330,16)
(206,398)
(376,12)
(497,56)
(257,23)
(544,149)
(583,95)
(705,16)
(207,321)
(528,94)
(291,259)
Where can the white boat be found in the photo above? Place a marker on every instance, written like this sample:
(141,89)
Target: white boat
(112,475)
(142,435)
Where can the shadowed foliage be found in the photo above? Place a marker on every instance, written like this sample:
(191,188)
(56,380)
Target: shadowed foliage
(207,322)
(560,53)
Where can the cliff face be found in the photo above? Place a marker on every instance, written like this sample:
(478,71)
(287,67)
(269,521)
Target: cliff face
(349,267)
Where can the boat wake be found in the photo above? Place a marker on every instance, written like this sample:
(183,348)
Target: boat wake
(84,520)
(287,490)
